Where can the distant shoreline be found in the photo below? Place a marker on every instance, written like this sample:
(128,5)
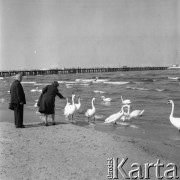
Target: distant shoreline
(78,70)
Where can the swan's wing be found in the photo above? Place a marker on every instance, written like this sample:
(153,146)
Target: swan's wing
(142,112)
(125,116)
(69,110)
(136,113)
(88,112)
(113,117)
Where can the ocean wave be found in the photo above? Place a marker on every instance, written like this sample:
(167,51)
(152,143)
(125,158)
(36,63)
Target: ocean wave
(147,80)
(174,78)
(160,90)
(41,84)
(96,80)
(28,82)
(100,80)
(138,88)
(2,100)
(68,85)
(97,91)
(67,82)
(85,80)
(116,83)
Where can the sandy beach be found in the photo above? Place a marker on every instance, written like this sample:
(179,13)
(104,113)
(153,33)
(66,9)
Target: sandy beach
(67,151)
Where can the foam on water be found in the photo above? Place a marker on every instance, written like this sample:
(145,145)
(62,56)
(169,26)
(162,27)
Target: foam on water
(147,90)
(28,82)
(116,83)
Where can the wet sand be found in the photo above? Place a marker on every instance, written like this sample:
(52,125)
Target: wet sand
(66,151)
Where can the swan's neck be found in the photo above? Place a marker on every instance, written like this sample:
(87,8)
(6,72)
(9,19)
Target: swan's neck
(121,99)
(122,109)
(79,101)
(93,107)
(128,109)
(73,100)
(172,110)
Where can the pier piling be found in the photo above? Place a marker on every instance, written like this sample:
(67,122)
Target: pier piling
(76,70)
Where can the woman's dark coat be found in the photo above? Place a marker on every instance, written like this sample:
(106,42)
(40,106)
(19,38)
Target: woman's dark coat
(47,100)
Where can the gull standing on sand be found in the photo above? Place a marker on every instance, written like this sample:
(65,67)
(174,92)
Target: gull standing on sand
(91,112)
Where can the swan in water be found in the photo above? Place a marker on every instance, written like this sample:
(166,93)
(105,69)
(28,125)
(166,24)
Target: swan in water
(35,105)
(126,101)
(36,90)
(106,99)
(70,109)
(129,115)
(78,105)
(175,121)
(114,117)
(67,104)
(91,112)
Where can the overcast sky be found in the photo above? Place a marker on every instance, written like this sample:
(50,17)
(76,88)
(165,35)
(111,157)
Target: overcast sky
(37,34)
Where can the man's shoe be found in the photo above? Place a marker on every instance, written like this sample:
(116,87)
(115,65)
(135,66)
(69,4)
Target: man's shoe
(20,126)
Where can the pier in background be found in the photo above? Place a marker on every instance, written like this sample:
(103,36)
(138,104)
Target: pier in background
(76,70)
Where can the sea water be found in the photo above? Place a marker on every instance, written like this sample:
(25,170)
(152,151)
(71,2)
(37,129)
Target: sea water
(148,90)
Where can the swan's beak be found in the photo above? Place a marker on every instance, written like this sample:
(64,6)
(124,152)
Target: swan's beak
(168,102)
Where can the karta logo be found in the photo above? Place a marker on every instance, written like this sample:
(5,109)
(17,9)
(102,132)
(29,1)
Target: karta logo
(140,171)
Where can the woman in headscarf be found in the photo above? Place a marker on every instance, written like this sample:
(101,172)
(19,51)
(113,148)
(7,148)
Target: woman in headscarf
(47,101)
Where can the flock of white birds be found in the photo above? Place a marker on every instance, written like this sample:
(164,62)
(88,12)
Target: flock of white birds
(71,109)
(122,115)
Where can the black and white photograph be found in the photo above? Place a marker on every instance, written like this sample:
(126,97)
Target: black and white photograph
(89,89)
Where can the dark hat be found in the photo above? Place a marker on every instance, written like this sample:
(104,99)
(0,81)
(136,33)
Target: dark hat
(55,83)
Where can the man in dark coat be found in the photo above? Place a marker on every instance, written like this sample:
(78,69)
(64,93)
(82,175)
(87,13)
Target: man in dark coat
(47,101)
(18,100)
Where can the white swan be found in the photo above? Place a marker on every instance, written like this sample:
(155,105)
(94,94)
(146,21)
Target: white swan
(70,109)
(78,105)
(67,104)
(133,114)
(91,112)
(126,101)
(114,117)
(175,121)
(36,90)
(35,105)
(106,99)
